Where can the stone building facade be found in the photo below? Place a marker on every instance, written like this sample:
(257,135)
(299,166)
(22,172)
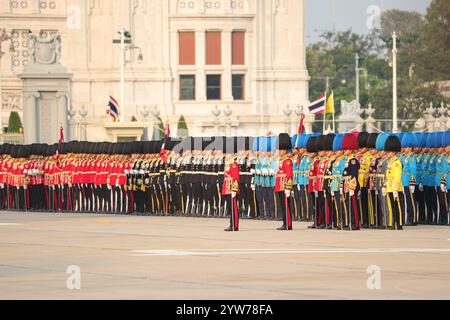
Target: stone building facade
(228,66)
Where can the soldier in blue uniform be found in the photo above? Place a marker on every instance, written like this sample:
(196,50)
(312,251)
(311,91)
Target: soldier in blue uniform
(338,168)
(419,195)
(429,171)
(305,163)
(446,146)
(408,159)
(440,178)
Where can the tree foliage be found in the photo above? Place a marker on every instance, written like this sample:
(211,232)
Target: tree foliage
(14,123)
(423,59)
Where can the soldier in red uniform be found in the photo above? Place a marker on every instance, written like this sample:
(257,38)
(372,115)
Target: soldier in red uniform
(284,180)
(313,170)
(230,187)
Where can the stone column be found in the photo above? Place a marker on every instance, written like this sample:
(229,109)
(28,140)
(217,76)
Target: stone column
(227,94)
(30,117)
(200,61)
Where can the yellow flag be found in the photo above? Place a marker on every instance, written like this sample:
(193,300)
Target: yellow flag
(330,104)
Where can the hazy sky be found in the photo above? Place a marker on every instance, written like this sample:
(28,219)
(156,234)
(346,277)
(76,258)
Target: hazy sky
(324,15)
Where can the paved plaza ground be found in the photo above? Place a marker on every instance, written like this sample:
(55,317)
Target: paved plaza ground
(129,257)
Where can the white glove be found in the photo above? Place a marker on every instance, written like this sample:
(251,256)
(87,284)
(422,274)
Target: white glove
(287,193)
(252,171)
(316,193)
(25,187)
(352,193)
(233,195)
(265,172)
(253,187)
(341,191)
(443,188)
(271,172)
(126,171)
(421,187)
(258,172)
(384,192)
(298,187)
(359,194)
(412,189)
(109,187)
(395,194)
(2,185)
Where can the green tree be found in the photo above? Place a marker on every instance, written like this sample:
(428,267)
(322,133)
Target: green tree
(14,124)
(434,58)
(423,53)
(182,130)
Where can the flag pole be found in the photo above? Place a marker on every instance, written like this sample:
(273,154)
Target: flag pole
(325,114)
(334,115)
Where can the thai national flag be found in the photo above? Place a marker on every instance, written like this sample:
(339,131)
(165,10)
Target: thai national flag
(113,108)
(165,142)
(318,106)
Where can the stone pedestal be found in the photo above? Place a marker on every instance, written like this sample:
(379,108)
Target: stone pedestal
(125,132)
(350,119)
(45,103)
(46,91)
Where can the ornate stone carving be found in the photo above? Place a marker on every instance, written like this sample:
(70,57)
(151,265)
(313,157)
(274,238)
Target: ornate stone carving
(430,118)
(370,120)
(350,118)
(11,101)
(83,114)
(45,50)
(211,6)
(443,117)
(288,117)
(20,43)
(145,112)
(140,7)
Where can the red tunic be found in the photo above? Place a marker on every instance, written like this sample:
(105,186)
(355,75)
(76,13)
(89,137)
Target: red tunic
(231,180)
(285,176)
(313,172)
(321,169)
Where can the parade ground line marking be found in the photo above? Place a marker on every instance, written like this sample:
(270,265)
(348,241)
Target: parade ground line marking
(9,224)
(224,252)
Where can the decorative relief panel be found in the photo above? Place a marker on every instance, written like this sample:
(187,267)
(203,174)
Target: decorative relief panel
(96,7)
(211,6)
(48,6)
(11,101)
(45,48)
(140,7)
(20,43)
(21,6)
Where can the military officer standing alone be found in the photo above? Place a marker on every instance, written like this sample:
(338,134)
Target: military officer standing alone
(230,187)
(284,181)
